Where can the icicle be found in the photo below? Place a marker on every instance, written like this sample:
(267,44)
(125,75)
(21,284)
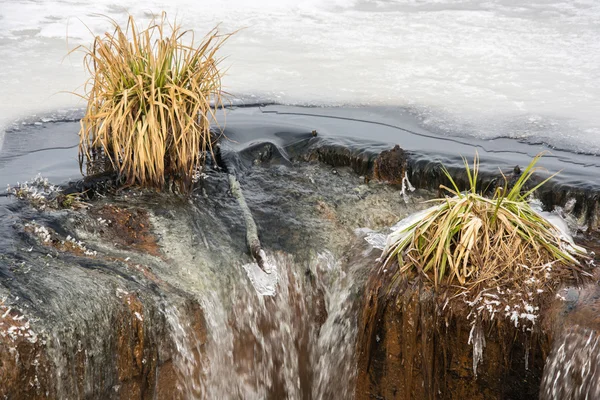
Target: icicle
(406,185)
(527,346)
(477,338)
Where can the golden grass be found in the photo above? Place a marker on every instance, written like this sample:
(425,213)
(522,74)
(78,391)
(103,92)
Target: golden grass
(150,102)
(470,241)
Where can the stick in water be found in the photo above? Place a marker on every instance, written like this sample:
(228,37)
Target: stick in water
(252,240)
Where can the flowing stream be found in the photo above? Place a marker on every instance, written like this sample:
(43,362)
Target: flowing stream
(572,369)
(291,333)
(298,343)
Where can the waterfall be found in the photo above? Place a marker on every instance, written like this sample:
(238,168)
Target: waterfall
(298,342)
(185,355)
(571,370)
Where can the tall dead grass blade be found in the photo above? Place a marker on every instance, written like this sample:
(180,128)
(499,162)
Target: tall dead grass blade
(151,101)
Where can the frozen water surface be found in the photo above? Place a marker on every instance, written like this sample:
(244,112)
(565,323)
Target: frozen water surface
(488,69)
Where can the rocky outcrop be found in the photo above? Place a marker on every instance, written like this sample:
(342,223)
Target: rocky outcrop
(121,294)
(139,365)
(390,166)
(79,321)
(24,366)
(580,201)
(119,312)
(406,350)
(410,347)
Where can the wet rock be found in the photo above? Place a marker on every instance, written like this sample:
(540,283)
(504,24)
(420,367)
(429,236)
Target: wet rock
(411,347)
(92,184)
(582,205)
(361,162)
(87,320)
(406,350)
(24,366)
(133,368)
(263,153)
(425,172)
(390,166)
(136,320)
(129,319)
(127,227)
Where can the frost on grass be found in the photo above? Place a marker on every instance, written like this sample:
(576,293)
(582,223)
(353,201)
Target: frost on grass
(498,257)
(49,237)
(41,194)
(14,326)
(39,191)
(516,298)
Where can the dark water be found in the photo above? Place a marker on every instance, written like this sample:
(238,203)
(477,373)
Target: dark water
(377,129)
(51,148)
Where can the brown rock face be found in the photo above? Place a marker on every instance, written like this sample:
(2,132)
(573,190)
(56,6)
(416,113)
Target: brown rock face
(140,368)
(128,228)
(24,367)
(143,372)
(135,362)
(124,349)
(390,166)
(406,351)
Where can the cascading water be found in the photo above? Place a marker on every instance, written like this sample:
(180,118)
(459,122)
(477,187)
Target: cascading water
(187,348)
(298,343)
(572,369)
(214,324)
(184,311)
(333,353)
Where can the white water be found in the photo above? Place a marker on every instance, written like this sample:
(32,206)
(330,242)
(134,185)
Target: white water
(298,342)
(472,67)
(571,371)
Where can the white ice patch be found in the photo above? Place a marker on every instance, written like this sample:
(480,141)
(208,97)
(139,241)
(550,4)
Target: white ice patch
(37,189)
(15,327)
(399,231)
(497,68)
(406,187)
(265,283)
(381,240)
(80,245)
(477,339)
(567,242)
(374,238)
(43,233)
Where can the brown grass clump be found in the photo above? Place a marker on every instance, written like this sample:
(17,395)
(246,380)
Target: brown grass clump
(499,248)
(151,99)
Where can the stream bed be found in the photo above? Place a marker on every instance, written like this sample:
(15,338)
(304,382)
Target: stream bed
(149,295)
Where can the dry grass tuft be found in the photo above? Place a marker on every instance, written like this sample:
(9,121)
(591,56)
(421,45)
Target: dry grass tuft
(151,99)
(476,243)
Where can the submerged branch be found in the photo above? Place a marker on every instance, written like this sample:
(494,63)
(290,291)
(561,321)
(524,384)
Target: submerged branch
(252,240)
